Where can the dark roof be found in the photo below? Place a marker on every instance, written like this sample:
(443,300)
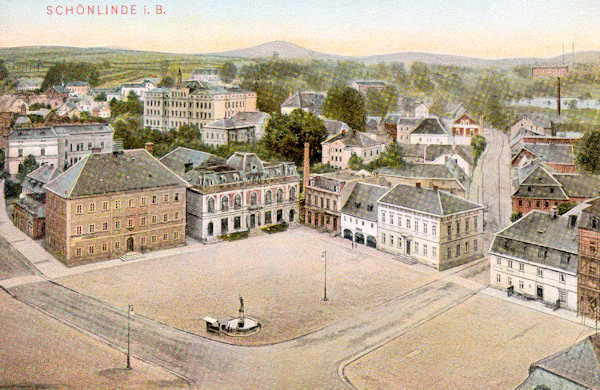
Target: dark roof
(334,126)
(579,186)
(362,202)
(251,117)
(551,153)
(327,181)
(575,367)
(177,159)
(311,101)
(414,150)
(370,82)
(430,126)
(435,202)
(419,170)
(353,138)
(227,124)
(36,179)
(33,206)
(102,173)
(31,133)
(541,238)
(82,128)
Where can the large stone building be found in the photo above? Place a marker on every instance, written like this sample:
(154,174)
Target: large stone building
(337,150)
(430,226)
(536,257)
(193,103)
(588,275)
(109,204)
(242,194)
(226,131)
(60,146)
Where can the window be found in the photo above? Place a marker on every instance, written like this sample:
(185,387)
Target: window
(407,223)
(399,220)
(562,295)
(416,247)
(105,205)
(224,203)
(540,272)
(383,238)
(466,225)
(154,219)
(78,252)
(457,227)
(130,222)
(143,241)
(562,277)
(211,207)
(424,228)
(416,226)
(308,199)
(475,219)
(254,199)
(165,237)
(521,285)
(328,204)
(165,217)
(165,198)
(176,197)
(117,224)
(457,250)
(434,251)
(509,280)
(475,245)
(91,249)
(434,229)
(521,267)
(510,263)
(92,228)
(153,238)
(117,204)
(117,244)
(92,207)
(498,279)
(391,240)
(130,203)
(153,199)
(268,197)
(466,247)
(424,250)
(383,216)
(143,201)
(78,230)
(78,209)
(237,221)
(20,154)
(175,235)
(280,197)
(498,261)
(104,226)
(176,215)
(449,253)
(449,229)
(104,247)
(293,195)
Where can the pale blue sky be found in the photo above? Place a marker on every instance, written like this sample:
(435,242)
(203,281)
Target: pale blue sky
(490,29)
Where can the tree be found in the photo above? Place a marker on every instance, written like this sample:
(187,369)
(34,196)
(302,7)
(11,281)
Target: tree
(478,143)
(355,163)
(285,135)
(488,97)
(390,158)
(166,81)
(321,168)
(3,71)
(101,97)
(269,96)
(26,166)
(132,105)
(347,105)
(228,71)
(588,152)
(380,103)
(62,72)
(419,76)
(515,216)
(564,207)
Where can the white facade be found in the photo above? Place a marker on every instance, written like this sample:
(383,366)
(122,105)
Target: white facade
(359,225)
(461,162)
(338,153)
(430,139)
(138,88)
(41,143)
(534,280)
(421,110)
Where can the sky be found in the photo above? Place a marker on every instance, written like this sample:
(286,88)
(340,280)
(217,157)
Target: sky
(484,28)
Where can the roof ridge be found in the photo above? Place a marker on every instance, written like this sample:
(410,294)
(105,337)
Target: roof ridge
(86,157)
(167,168)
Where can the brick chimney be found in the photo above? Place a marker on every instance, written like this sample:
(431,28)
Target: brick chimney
(306,167)
(418,185)
(149,146)
(435,188)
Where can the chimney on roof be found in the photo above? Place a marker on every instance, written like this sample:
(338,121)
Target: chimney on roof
(572,220)
(149,146)
(554,212)
(435,188)
(418,184)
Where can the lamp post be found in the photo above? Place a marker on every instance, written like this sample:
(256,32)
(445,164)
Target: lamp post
(324,255)
(129,311)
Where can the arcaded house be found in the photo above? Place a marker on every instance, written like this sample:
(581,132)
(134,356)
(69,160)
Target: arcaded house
(109,204)
(241,194)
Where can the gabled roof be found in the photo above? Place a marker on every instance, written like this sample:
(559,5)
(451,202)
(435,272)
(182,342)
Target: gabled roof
(353,138)
(430,126)
(77,84)
(251,117)
(32,133)
(104,173)
(367,83)
(311,101)
(551,153)
(540,238)
(579,186)
(434,202)
(177,159)
(334,126)
(362,202)
(44,173)
(227,124)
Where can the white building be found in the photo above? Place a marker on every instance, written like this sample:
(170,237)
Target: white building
(258,119)
(337,150)
(430,226)
(226,131)
(431,131)
(359,214)
(536,257)
(41,143)
(138,88)
(209,75)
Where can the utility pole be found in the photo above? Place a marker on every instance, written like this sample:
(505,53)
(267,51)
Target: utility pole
(324,255)
(129,310)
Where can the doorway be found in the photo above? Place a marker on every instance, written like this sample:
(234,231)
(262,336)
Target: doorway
(130,244)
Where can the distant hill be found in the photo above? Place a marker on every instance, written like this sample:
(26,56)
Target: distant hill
(282,50)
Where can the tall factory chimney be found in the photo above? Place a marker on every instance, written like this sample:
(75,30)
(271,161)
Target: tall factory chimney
(558,97)
(306,168)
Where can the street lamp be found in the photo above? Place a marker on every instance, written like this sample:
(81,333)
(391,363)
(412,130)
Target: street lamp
(324,256)
(129,311)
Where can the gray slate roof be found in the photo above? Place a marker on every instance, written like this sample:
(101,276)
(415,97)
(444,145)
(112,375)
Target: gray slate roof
(32,133)
(579,186)
(552,153)
(334,126)
(311,101)
(177,159)
(37,178)
(540,238)
(576,367)
(435,202)
(103,173)
(227,124)
(419,170)
(430,126)
(251,117)
(350,138)
(362,202)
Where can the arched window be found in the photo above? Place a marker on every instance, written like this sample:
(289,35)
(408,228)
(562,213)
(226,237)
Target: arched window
(237,202)
(211,205)
(268,197)
(292,194)
(279,195)
(253,199)
(210,228)
(225,203)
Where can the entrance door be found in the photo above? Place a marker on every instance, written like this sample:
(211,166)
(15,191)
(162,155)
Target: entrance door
(130,244)
(224,225)
(252,221)
(408,247)
(540,292)
(292,215)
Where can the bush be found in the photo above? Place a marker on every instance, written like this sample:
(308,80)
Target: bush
(11,189)
(515,216)
(564,207)
(280,227)
(234,236)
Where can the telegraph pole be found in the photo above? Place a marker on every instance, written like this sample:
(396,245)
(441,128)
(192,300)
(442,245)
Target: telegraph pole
(324,255)
(129,310)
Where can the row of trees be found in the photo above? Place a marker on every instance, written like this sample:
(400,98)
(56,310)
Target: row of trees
(62,72)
